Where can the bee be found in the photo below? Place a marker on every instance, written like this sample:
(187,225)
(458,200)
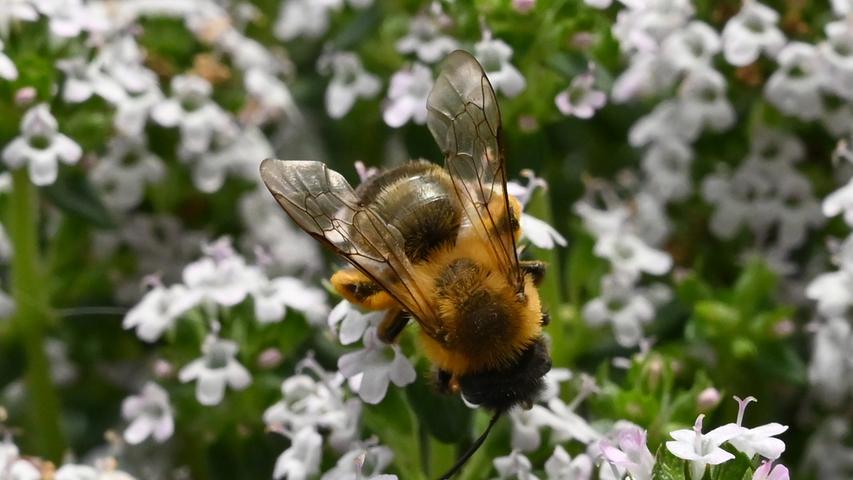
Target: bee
(437,246)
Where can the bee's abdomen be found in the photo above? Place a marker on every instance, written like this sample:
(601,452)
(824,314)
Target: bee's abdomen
(418,200)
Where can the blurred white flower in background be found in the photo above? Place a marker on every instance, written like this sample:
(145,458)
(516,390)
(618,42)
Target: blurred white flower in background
(222,276)
(514,466)
(831,365)
(666,165)
(13,466)
(621,305)
(749,33)
(352,464)
(540,233)
(84,79)
(15,11)
(8,70)
(561,466)
(273,296)
(124,170)
(217,368)
(407,96)
(630,453)
(150,415)
(301,460)
(837,53)
(305,18)
(795,86)
(703,101)
(495,54)
(158,310)
(692,46)
(41,146)
(68,18)
(200,118)
(104,469)
(426,40)
(349,82)
(581,99)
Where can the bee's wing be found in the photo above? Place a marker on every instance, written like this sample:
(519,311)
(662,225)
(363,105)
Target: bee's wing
(464,118)
(323,204)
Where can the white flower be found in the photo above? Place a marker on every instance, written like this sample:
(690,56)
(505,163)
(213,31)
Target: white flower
(377,367)
(647,75)
(795,86)
(8,70)
(703,102)
(750,32)
(271,95)
(630,254)
(833,292)
(41,146)
(633,454)
(600,4)
(274,296)
(831,365)
(514,466)
(124,171)
(840,201)
(540,233)
(216,368)
(776,146)
(349,82)
(237,154)
(644,26)
(564,423)
(494,55)
(667,168)
(70,17)
(301,460)
(13,11)
(561,466)
(305,18)
(842,7)
(407,96)
(351,464)
(225,279)
(581,99)
(702,449)
(12,466)
(693,46)
(353,323)
(621,305)
(779,472)
(425,40)
(666,123)
(149,414)
(200,119)
(84,79)
(759,439)
(837,53)
(104,469)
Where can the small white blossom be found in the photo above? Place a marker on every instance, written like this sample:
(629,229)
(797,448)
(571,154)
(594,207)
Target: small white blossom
(124,171)
(758,439)
(217,368)
(223,278)
(12,466)
(831,365)
(795,87)
(631,255)
(693,46)
(103,469)
(349,82)
(407,96)
(84,78)
(837,53)
(149,414)
(561,466)
(647,75)
(621,305)
(41,146)
(379,364)
(14,11)
(425,40)
(301,460)
(352,464)
(750,32)
(702,449)
(703,102)
(191,109)
(667,168)
(68,18)
(8,70)
(581,99)
(272,298)
(514,466)
(779,472)
(494,55)
(633,454)
(353,323)
(305,18)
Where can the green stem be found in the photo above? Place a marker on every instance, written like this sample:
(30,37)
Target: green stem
(31,319)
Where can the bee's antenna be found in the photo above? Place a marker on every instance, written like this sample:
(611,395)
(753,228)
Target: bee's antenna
(473,448)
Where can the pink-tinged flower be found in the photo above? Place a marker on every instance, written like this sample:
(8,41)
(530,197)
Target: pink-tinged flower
(581,99)
(779,472)
(407,96)
(494,55)
(759,439)
(217,368)
(708,399)
(702,449)
(633,454)
(523,6)
(378,364)
(41,146)
(149,414)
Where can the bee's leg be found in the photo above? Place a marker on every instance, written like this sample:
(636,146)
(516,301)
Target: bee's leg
(361,290)
(534,268)
(392,325)
(446,382)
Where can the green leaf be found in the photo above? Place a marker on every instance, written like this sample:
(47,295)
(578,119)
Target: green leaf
(754,286)
(74,195)
(667,466)
(444,416)
(735,469)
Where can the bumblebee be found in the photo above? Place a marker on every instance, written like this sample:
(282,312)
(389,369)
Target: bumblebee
(437,246)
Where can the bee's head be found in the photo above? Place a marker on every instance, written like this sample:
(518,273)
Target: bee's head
(516,384)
